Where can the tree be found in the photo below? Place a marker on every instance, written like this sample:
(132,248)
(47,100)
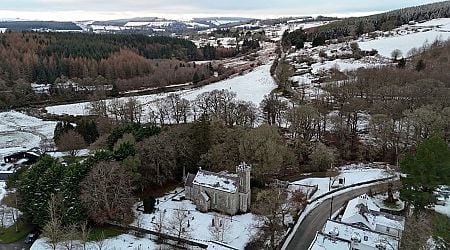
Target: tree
(322,157)
(271,209)
(219,228)
(303,121)
(54,230)
(72,142)
(429,167)
(179,222)
(160,225)
(395,54)
(420,65)
(265,149)
(107,192)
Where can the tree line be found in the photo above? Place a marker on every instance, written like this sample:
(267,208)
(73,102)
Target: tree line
(356,26)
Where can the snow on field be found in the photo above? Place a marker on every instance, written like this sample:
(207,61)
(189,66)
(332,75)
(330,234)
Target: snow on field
(353,174)
(237,236)
(439,23)
(20,132)
(405,43)
(250,87)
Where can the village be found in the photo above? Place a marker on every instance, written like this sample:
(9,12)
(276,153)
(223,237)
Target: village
(292,150)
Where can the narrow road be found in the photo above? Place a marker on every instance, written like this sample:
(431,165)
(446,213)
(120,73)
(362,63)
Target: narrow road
(315,220)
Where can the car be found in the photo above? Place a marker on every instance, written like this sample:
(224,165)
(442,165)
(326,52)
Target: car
(31,237)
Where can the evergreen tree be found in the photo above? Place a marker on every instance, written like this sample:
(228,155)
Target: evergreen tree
(424,171)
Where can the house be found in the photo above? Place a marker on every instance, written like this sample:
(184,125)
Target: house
(360,238)
(223,192)
(363,212)
(329,242)
(24,158)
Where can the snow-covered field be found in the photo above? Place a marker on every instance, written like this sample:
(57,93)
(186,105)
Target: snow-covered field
(385,45)
(237,236)
(353,174)
(20,132)
(250,87)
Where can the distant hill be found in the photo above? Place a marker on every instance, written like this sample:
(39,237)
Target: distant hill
(38,25)
(384,21)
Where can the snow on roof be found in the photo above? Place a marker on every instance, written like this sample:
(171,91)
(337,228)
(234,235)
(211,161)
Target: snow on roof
(365,237)
(364,210)
(326,242)
(221,182)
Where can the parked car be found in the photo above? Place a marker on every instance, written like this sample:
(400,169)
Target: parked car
(31,237)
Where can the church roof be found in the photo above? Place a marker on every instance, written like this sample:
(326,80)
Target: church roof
(222,182)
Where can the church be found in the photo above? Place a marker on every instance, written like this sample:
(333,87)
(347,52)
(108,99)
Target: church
(223,192)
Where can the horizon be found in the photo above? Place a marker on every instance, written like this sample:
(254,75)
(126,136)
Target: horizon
(71,10)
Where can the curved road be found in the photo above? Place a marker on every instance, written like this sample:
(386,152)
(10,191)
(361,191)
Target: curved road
(317,217)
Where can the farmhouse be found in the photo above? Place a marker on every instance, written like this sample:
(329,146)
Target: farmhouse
(223,192)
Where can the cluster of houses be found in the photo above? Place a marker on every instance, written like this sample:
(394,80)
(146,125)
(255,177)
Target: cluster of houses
(362,226)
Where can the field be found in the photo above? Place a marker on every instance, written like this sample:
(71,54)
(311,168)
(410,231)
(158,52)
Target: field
(250,87)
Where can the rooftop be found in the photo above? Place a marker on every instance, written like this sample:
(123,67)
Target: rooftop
(366,237)
(326,242)
(364,211)
(222,182)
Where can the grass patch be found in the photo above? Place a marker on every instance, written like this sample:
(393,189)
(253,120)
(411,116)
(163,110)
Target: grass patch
(441,226)
(9,235)
(104,232)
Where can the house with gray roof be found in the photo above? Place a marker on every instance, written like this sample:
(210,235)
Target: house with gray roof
(223,192)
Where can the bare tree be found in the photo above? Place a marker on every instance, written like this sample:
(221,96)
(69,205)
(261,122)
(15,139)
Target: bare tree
(70,234)
(271,207)
(11,200)
(219,228)
(54,230)
(160,224)
(395,54)
(84,234)
(179,222)
(107,192)
(72,142)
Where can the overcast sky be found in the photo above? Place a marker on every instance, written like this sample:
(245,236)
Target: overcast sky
(184,9)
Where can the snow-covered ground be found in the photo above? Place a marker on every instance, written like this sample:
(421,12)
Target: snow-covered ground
(442,194)
(353,174)
(408,37)
(20,132)
(380,198)
(250,87)
(124,241)
(240,226)
(7,214)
